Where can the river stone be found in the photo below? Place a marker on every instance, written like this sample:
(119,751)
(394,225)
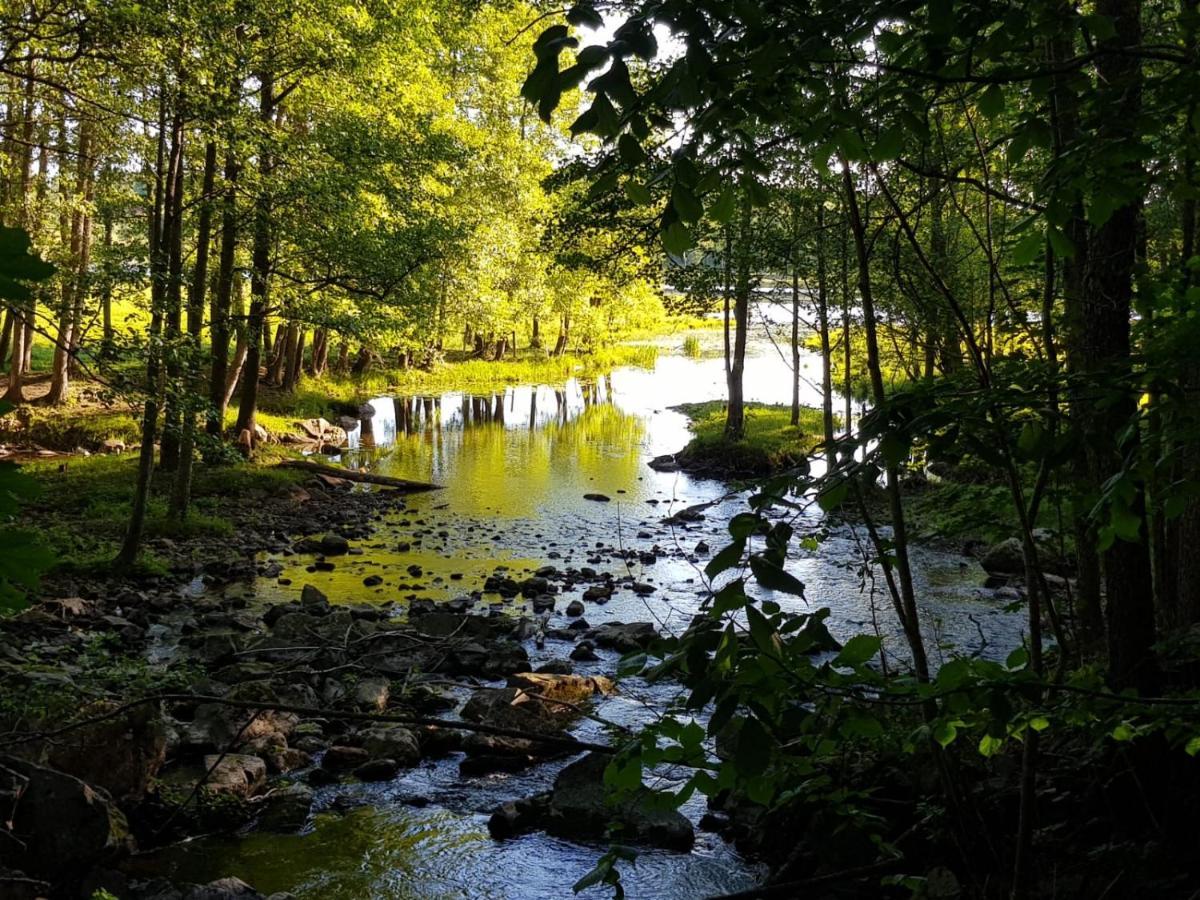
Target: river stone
(511,708)
(223,889)
(491,661)
(598,498)
(598,593)
(585,651)
(624,637)
(121,754)
(1004,558)
(340,758)
(579,808)
(372,694)
(334,545)
(236,773)
(64,826)
(569,688)
(556,667)
(377,770)
(392,742)
(286,809)
(575,608)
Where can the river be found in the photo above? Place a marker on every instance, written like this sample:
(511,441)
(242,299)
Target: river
(515,466)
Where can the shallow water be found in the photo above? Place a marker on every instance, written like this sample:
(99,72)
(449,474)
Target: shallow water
(515,466)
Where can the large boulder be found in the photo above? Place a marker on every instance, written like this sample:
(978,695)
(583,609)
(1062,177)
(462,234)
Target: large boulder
(568,688)
(62,826)
(121,754)
(623,637)
(1004,558)
(286,809)
(235,773)
(392,742)
(579,807)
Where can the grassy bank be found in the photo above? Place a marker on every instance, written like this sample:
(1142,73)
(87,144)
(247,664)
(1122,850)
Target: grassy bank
(83,507)
(771,442)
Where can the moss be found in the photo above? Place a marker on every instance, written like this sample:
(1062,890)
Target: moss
(80,424)
(771,442)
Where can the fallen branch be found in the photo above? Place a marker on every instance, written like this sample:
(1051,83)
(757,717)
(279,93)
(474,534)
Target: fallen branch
(565,742)
(402,484)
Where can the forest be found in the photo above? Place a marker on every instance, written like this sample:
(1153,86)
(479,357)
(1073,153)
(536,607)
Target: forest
(652,448)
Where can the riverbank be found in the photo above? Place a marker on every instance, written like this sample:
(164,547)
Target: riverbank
(769,445)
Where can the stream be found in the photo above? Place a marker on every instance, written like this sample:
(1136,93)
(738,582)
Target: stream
(515,466)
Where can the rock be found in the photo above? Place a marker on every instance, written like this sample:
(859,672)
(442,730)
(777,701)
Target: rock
(340,758)
(575,608)
(19,886)
(598,498)
(702,548)
(598,593)
(490,661)
(584,651)
(120,754)
(372,581)
(64,826)
(320,777)
(286,809)
(392,742)
(236,773)
(623,637)
(570,688)
(579,808)
(544,603)
(642,589)
(556,667)
(334,545)
(665,463)
(223,889)
(112,445)
(1004,558)
(511,708)
(377,770)
(286,759)
(313,600)
(517,816)
(372,694)
(533,587)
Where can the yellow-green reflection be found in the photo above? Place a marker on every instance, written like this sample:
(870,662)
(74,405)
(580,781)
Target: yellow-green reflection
(367,853)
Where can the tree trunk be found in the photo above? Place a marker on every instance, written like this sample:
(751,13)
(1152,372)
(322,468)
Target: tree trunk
(168,455)
(826,347)
(181,490)
(260,267)
(222,305)
(1107,306)
(161,211)
(735,413)
(909,619)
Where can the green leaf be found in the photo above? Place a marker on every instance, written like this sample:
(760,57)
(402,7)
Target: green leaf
(638,193)
(1101,27)
(753,748)
(1192,748)
(945,731)
(727,558)
(889,144)
(774,577)
(685,203)
(724,206)
(632,663)
(630,150)
(991,101)
(989,745)
(831,498)
(585,15)
(1030,247)
(676,238)
(858,650)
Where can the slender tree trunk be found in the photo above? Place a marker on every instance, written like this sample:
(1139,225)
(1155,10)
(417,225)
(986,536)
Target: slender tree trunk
(826,346)
(222,304)
(108,338)
(911,621)
(181,490)
(260,267)
(161,212)
(735,414)
(168,457)
(796,314)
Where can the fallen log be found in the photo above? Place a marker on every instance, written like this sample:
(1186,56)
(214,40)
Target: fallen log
(401,484)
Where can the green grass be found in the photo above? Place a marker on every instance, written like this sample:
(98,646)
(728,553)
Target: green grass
(771,442)
(83,507)
(692,348)
(71,426)
(955,510)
